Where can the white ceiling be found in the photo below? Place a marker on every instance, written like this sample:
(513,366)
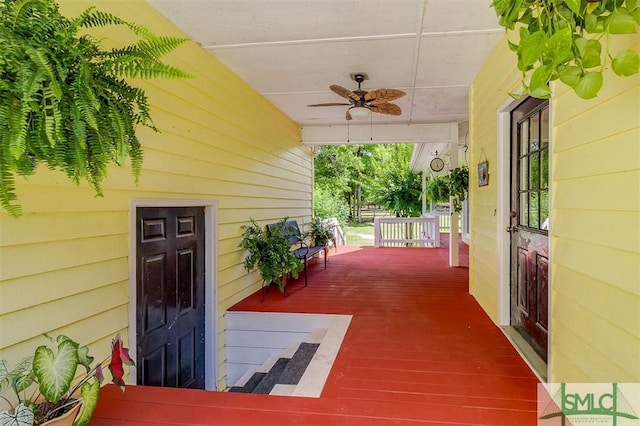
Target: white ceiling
(292,50)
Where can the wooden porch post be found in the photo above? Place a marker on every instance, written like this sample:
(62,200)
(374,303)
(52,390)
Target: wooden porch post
(455,217)
(424,199)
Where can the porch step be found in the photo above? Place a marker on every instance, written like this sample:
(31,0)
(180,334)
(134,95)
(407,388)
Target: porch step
(271,378)
(282,372)
(250,385)
(298,364)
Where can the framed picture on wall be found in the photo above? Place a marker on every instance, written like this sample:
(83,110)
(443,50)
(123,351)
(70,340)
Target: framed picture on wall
(483,173)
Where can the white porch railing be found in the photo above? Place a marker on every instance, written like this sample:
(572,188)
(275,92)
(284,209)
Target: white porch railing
(445,223)
(407,231)
(335,227)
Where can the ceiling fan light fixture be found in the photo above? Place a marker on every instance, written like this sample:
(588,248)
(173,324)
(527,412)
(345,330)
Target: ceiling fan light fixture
(363,103)
(359,113)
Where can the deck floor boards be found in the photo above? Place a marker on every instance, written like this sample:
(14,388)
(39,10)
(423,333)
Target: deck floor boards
(419,350)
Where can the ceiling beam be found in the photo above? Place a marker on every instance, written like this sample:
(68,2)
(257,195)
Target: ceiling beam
(369,134)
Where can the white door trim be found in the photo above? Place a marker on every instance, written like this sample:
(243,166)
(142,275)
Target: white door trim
(211,280)
(504,203)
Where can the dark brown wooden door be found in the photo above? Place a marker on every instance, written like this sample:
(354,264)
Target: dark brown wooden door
(530,222)
(170,308)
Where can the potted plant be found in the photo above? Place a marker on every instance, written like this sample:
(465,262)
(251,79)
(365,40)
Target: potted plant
(452,187)
(270,252)
(57,392)
(458,183)
(566,39)
(64,101)
(437,189)
(320,233)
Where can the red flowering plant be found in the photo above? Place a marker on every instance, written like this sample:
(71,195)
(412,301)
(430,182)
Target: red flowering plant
(54,372)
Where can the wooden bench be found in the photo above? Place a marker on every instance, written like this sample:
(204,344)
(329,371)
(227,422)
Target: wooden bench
(304,252)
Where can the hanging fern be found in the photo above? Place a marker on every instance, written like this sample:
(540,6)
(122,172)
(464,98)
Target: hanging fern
(458,183)
(437,189)
(64,101)
(452,187)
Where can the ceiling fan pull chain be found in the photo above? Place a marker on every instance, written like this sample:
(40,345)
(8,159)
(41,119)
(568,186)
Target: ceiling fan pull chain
(371,128)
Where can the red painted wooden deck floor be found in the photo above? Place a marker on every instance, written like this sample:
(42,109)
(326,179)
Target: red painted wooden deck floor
(419,350)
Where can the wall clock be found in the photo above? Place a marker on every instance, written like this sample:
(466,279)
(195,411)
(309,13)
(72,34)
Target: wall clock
(437,164)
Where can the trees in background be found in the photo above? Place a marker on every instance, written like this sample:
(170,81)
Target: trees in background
(396,188)
(348,177)
(342,173)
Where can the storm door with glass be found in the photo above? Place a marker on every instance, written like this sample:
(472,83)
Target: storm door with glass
(530,222)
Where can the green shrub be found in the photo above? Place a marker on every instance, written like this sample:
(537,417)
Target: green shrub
(327,204)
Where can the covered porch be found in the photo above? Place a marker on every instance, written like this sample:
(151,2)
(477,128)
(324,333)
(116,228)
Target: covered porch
(419,350)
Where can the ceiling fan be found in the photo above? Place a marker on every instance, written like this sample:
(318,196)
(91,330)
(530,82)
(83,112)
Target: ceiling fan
(362,102)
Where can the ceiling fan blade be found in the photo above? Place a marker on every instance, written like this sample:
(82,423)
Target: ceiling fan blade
(380,96)
(341,91)
(386,108)
(347,115)
(328,104)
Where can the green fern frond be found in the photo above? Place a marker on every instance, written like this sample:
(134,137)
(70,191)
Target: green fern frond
(50,121)
(32,83)
(86,102)
(139,30)
(119,130)
(157,47)
(72,158)
(79,126)
(7,184)
(18,127)
(64,100)
(44,66)
(142,59)
(27,165)
(28,98)
(22,9)
(136,155)
(134,68)
(92,18)
(37,145)
(33,18)
(4,113)
(139,97)
(96,168)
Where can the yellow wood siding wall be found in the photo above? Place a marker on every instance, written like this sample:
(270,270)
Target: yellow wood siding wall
(595,240)
(488,93)
(64,264)
(596,232)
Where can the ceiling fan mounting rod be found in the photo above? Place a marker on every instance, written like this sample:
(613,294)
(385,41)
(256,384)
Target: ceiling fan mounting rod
(359,77)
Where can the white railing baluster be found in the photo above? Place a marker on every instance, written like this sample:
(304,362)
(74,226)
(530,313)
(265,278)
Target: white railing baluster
(333,224)
(403,231)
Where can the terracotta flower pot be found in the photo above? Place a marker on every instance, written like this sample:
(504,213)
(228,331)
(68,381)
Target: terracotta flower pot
(66,419)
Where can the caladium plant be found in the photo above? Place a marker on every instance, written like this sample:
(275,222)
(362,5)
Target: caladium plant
(48,376)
